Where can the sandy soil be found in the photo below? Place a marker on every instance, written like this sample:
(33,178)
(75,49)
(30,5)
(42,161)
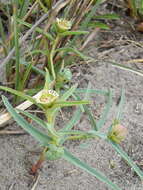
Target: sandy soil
(16,152)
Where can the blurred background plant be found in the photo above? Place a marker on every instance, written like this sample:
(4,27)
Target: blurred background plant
(135,8)
(29,40)
(45,34)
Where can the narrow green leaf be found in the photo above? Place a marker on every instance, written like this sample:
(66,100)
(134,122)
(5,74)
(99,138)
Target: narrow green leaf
(39,51)
(127,158)
(91,117)
(18,93)
(98,134)
(41,31)
(74,50)
(67,33)
(34,118)
(74,132)
(90,15)
(38,135)
(104,115)
(88,18)
(77,162)
(40,122)
(107,16)
(37,70)
(99,25)
(69,103)
(76,117)
(25,76)
(120,106)
(24,8)
(68,93)
(94,91)
(47,80)
(89,113)
(133,7)
(74,120)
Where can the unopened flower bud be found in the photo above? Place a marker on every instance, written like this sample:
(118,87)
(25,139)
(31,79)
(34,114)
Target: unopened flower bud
(63,25)
(118,133)
(47,97)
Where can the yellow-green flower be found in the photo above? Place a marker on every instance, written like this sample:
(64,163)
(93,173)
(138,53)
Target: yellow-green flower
(118,133)
(63,25)
(47,97)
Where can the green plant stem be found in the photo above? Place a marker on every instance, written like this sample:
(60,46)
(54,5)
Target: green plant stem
(50,116)
(52,56)
(79,137)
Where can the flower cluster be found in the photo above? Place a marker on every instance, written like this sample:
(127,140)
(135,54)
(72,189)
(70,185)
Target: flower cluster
(63,25)
(118,133)
(47,97)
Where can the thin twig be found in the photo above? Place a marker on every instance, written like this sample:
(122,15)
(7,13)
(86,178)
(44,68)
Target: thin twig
(90,38)
(8,132)
(36,182)
(11,187)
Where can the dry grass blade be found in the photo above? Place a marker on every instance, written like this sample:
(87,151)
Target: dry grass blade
(90,38)
(36,182)
(60,4)
(11,186)
(8,132)
(25,17)
(135,61)
(4,118)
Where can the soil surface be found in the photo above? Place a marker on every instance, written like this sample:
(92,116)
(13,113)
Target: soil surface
(17,153)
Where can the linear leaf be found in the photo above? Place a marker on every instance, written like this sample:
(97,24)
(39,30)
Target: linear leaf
(99,25)
(77,162)
(94,91)
(74,120)
(77,115)
(38,135)
(18,93)
(68,93)
(24,8)
(74,50)
(67,33)
(127,158)
(37,70)
(48,35)
(107,16)
(70,103)
(103,118)
(120,106)
(34,118)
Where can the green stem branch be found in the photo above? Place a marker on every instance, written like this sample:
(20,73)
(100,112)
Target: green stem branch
(52,53)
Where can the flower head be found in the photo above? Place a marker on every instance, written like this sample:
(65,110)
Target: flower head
(63,25)
(118,133)
(47,97)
